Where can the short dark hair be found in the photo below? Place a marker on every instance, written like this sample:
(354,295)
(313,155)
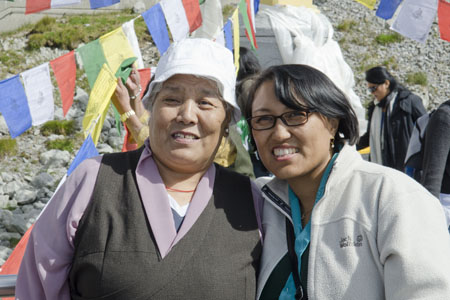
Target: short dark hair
(378,75)
(248,64)
(301,87)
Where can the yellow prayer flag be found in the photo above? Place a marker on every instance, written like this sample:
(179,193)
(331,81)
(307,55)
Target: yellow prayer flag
(116,48)
(235,21)
(369,3)
(98,103)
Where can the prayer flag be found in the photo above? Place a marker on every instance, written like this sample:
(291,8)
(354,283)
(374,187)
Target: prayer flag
(256,6)
(251,14)
(193,14)
(86,151)
(415,19)
(14,106)
(212,20)
(59,3)
(444,19)
(368,3)
(102,3)
(128,29)
(156,24)
(93,59)
(116,48)
(248,27)
(98,103)
(39,89)
(228,35)
(235,20)
(145,75)
(128,143)
(65,71)
(387,8)
(176,18)
(33,6)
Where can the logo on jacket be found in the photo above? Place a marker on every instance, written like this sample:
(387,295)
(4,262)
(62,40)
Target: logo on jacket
(349,242)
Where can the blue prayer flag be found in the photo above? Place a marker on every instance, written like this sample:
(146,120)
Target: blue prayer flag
(228,35)
(87,150)
(256,6)
(156,24)
(102,3)
(387,8)
(14,106)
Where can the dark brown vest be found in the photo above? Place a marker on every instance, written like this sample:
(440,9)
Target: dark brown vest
(116,256)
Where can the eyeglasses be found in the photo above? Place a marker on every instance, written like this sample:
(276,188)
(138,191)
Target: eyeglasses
(290,118)
(373,88)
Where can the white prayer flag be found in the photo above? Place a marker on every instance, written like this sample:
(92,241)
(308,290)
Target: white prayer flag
(39,90)
(220,38)
(59,3)
(415,19)
(128,29)
(212,20)
(176,18)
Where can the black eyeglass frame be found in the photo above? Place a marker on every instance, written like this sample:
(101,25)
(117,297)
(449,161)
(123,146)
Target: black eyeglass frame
(281,117)
(373,88)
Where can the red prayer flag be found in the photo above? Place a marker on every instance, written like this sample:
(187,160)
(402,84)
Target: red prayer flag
(145,75)
(33,6)
(128,143)
(444,19)
(65,71)
(193,14)
(12,264)
(250,19)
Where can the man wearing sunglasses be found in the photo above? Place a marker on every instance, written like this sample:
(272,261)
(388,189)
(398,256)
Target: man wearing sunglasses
(392,115)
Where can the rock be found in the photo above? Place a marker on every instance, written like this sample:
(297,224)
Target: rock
(81,98)
(116,142)
(5,252)
(55,158)
(7,177)
(11,188)
(16,223)
(25,196)
(3,127)
(4,200)
(43,180)
(139,7)
(104,148)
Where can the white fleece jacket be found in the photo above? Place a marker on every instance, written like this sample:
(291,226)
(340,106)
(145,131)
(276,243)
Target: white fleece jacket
(375,234)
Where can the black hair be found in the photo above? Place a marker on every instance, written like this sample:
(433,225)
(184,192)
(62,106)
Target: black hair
(248,63)
(379,75)
(301,87)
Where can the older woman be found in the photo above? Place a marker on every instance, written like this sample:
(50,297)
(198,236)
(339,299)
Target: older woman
(354,229)
(162,222)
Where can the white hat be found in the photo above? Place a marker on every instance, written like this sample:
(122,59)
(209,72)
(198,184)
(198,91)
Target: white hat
(200,57)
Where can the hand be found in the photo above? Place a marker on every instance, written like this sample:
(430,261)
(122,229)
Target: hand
(133,83)
(121,98)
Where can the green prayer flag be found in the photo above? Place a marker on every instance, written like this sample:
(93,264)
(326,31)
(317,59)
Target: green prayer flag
(93,60)
(243,11)
(117,118)
(125,69)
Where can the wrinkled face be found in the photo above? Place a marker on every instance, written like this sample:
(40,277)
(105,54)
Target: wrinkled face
(291,152)
(188,120)
(379,91)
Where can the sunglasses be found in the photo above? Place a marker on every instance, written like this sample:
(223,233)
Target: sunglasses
(373,88)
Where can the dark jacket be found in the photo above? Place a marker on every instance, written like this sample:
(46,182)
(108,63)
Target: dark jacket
(407,108)
(436,156)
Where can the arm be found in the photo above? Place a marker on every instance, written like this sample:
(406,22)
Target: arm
(436,151)
(47,260)
(417,108)
(413,243)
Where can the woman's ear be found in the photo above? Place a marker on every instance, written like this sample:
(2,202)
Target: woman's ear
(333,126)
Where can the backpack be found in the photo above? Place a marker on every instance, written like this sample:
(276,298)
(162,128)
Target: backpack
(414,155)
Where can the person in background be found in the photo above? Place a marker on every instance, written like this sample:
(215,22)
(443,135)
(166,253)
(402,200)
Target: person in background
(336,226)
(436,156)
(391,118)
(163,221)
(249,67)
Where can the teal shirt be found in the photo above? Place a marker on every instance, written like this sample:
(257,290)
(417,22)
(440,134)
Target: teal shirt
(302,235)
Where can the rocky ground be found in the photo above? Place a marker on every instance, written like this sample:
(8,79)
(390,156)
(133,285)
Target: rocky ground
(28,179)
